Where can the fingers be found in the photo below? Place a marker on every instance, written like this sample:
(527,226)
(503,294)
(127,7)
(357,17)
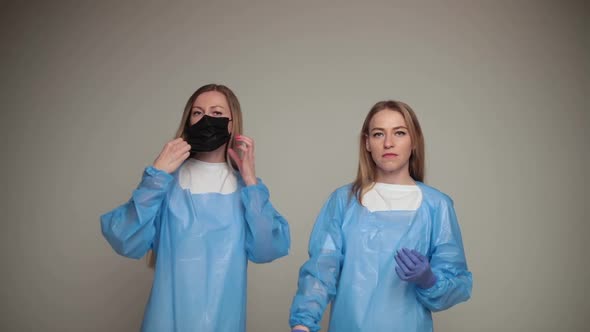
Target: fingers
(184,147)
(247,142)
(172,155)
(245,139)
(181,148)
(246,145)
(245,160)
(403,255)
(400,274)
(402,266)
(179,143)
(234,155)
(176,145)
(185,156)
(178,150)
(413,255)
(419,256)
(242,148)
(173,144)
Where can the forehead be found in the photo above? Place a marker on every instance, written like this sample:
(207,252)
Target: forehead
(210,98)
(387,119)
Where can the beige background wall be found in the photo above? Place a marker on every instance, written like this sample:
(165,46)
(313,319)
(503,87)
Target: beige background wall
(91,90)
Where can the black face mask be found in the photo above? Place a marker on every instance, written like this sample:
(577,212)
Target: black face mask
(207,134)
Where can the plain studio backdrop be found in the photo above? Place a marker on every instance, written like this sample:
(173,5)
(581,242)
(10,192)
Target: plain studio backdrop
(91,91)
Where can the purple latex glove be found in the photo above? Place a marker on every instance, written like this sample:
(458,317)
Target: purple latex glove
(412,266)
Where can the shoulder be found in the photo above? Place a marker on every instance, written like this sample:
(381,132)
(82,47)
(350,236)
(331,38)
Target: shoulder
(340,197)
(433,196)
(342,192)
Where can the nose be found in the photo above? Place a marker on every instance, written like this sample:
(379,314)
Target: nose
(388,142)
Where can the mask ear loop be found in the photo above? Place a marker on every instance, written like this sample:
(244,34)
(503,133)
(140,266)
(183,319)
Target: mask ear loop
(232,144)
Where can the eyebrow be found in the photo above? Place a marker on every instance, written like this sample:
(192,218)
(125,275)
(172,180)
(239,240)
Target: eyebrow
(394,128)
(215,106)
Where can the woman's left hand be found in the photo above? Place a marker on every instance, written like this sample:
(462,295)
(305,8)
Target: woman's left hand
(246,162)
(414,267)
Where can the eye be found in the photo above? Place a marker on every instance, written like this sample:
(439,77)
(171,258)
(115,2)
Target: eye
(400,133)
(217,113)
(377,134)
(196,112)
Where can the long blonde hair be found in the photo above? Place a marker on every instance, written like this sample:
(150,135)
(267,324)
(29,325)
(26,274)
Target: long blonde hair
(365,178)
(236,119)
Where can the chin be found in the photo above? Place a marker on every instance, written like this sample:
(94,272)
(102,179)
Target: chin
(388,170)
(389,166)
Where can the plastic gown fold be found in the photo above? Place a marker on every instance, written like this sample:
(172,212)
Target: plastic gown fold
(202,244)
(352,264)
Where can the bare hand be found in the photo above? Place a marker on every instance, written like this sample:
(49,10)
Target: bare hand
(246,162)
(172,155)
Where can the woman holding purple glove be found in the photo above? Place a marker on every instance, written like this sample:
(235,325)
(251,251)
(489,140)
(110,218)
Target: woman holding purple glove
(386,250)
(414,267)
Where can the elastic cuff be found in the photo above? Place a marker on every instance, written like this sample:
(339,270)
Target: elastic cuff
(151,170)
(258,187)
(156,178)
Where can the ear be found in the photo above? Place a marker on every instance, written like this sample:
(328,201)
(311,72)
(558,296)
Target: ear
(367,146)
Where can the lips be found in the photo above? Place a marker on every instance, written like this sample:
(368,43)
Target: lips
(389,155)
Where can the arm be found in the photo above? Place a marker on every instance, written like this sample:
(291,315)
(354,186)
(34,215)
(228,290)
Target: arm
(318,277)
(453,280)
(267,232)
(130,228)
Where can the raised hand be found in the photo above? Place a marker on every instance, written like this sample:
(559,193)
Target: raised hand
(172,155)
(245,162)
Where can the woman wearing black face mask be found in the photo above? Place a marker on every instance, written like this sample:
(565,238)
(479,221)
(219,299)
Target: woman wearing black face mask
(204,214)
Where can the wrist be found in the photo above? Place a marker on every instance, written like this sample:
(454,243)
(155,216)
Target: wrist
(428,281)
(160,168)
(250,181)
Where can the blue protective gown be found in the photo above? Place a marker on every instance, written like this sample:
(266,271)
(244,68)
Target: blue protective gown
(352,264)
(202,243)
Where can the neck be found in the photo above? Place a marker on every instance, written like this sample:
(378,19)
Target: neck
(215,156)
(395,177)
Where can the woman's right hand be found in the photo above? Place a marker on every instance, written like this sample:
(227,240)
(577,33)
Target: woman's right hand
(299,328)
(172,155)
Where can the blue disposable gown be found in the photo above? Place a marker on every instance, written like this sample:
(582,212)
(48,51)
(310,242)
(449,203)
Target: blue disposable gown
(352,264)
(202,243)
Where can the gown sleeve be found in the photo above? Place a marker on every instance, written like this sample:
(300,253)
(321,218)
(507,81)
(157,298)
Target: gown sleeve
(319,276)
(267,232)
(448,263)
(131,227)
